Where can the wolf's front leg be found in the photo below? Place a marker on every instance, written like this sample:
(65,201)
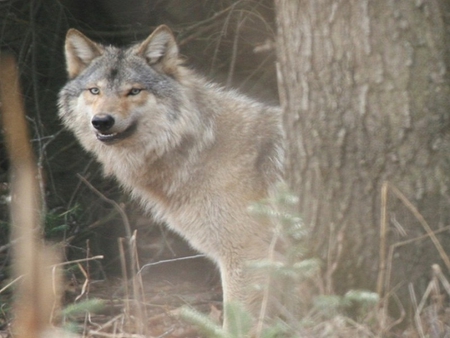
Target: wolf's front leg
(246,286)
(233,288)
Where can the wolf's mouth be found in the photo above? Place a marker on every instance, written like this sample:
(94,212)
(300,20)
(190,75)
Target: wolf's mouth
(110,138)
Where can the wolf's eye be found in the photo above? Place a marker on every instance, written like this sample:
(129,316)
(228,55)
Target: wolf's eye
(94,91)
(134,91)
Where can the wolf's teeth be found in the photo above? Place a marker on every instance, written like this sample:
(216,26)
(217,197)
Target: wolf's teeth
(111,137)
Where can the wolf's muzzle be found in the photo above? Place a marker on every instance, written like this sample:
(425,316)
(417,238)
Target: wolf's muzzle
(102,122)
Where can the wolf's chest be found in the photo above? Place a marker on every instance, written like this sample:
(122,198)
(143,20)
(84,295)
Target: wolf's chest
(186,215)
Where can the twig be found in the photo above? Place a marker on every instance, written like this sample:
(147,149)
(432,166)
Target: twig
(418,308)
(108,324)
(11,283)
(213,18)
(438,272)
(78,261)
(199,32)
(112,202)
(383,232)
(424,224)
(262,64)
(412,295)
(425,296)
(138,285)
(168,261)
(360,327)
(175,313)
(85,283)
(398,320)
(399,244)
(34,59)
(239,24)
(116,335)
(382,263)
(166,333)
(7,246)
(392,248)
(125,278)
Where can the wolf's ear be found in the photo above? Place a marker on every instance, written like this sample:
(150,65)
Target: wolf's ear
(80,51)
(161,49)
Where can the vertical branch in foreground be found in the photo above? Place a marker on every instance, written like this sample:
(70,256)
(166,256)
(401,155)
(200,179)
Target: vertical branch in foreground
(35,297)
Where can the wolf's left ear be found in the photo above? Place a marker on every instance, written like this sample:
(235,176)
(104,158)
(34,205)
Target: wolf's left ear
(160,49)
(80,51)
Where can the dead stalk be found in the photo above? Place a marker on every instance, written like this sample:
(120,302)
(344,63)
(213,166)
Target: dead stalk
(424,224)
(385,266)
(116,206)
(123,265)
(138,285)
(438,272)
(383,234)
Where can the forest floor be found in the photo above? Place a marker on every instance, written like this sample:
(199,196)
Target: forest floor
(167,288)
(150,306)
(152,312)
(149,303)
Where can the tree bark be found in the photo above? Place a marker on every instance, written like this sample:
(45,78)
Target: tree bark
(365,90)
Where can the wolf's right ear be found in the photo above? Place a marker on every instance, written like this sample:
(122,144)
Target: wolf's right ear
(80,51)
(160,49)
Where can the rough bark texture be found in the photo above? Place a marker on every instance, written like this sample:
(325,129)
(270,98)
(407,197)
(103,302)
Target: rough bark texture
(365,90)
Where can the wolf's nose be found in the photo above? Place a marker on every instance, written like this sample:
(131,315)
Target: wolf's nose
(102,122)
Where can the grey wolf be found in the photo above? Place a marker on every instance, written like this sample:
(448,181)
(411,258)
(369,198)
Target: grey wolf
(194,154)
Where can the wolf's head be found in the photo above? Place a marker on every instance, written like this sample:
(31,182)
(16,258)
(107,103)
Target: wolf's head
(114,94)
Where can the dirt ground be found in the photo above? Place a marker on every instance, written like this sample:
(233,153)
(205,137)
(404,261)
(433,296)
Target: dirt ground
(167,287)
(148,306)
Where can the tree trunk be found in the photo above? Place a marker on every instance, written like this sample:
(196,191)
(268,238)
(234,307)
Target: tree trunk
(365,91)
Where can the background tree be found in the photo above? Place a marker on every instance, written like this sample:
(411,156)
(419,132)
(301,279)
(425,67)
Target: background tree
(365,90)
